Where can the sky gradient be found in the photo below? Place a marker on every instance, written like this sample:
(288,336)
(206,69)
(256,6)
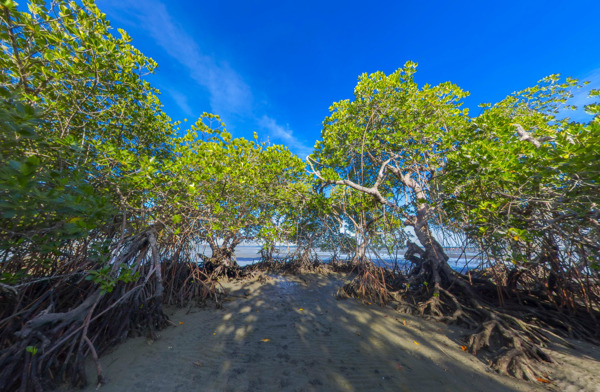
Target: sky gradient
(275,68)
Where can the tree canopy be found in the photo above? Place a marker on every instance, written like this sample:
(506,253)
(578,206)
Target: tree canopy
(391,143)
(517,181)
(104,207)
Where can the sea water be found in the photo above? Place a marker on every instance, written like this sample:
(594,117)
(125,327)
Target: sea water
(459,261)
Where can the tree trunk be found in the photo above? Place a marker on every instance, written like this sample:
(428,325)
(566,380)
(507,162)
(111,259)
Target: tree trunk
(361,252)
(434,252)
(222,261)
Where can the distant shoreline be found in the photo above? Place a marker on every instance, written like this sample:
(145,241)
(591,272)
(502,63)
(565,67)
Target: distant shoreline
(247,254)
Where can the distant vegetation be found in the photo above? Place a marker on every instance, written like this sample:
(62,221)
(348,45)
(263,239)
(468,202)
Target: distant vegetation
(103,206)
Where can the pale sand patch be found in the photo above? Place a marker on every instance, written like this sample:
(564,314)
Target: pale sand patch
(291,334)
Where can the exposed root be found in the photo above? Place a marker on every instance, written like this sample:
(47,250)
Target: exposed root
(219,268)
(512,325)
(345,266)
(301,261)
(302,266)
(51,323)
(368,284)
(515,351)
(446,307)
(187,283)
(305,259)
(513,347)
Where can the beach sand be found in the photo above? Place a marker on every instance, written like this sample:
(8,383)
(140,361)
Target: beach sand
(290,333)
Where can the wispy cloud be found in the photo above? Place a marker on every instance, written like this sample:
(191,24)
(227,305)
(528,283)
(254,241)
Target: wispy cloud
(227,90)
(228,93)
(182,101)
(285,135)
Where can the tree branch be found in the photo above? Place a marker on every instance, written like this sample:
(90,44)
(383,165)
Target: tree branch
(528,138)
(373,191)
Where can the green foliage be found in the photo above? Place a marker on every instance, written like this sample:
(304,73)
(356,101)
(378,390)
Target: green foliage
(89,152)
(72,98)
(93,183)
(388,144)
(88,157)
(107,281)
(88,84)
(37,192)
(517,180)
(31,349)
(230,189)
(390,117)
(523,180)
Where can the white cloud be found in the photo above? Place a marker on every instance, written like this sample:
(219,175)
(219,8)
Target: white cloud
(284,135)
(181,101)
(227,90)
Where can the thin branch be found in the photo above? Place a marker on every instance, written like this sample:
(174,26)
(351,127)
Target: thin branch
(528,138)
(373,191)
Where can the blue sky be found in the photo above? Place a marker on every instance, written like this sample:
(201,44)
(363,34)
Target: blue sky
(275,68)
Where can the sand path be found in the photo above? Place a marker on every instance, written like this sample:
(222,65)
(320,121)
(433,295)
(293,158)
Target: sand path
(291,334)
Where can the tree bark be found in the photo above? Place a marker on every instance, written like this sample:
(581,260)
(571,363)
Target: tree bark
(223,260)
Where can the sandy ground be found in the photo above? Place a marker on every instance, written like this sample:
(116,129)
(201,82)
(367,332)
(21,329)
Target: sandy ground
(291,334)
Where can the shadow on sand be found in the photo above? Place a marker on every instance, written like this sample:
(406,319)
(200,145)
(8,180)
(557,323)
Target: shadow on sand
(291,334)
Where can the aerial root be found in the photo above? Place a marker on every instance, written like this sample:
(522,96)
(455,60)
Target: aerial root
(461,312)
(304,260)
(514,346)
(433,307)
(515,351)
(369,284)
(443,306)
